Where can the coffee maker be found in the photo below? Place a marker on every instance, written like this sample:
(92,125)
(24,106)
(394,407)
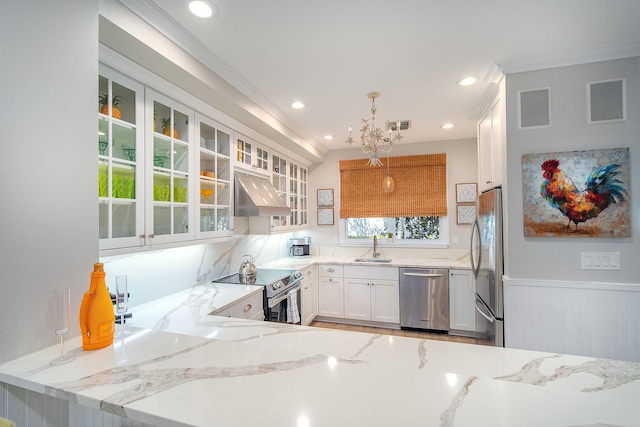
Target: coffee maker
(300,246)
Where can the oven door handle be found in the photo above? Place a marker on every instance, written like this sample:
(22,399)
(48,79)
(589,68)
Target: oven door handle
(277,299)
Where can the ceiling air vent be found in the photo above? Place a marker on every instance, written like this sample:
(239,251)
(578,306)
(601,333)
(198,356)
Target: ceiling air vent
(404,125)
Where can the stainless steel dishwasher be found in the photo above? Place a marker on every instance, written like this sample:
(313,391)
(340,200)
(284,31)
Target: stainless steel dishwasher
(424,298)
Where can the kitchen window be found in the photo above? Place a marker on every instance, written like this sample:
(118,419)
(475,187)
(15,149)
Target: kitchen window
(402,228)
(415,213)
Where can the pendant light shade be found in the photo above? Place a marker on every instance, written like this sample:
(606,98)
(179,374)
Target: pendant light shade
(388,184)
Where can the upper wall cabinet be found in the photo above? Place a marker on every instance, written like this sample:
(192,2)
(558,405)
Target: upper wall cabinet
(215,190)
(170,175)
(252,156)
(491,142)
(121,161)
(291,182)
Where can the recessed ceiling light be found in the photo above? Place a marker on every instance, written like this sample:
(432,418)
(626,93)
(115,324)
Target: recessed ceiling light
(297,105)
(202,8)
(328,137)
(467,81)
(447,126)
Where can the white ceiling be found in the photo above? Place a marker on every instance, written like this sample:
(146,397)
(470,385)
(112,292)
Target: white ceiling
(331,53)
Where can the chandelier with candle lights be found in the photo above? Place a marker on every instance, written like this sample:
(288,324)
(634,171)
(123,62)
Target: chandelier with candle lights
(372,139)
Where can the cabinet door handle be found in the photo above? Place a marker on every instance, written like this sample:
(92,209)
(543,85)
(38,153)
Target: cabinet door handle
(151,236)
(247,308)
(309,273)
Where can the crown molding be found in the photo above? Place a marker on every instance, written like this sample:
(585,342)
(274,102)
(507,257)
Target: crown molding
(166,25)
(567,59)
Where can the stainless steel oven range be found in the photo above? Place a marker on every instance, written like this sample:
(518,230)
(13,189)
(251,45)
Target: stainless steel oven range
(281,296)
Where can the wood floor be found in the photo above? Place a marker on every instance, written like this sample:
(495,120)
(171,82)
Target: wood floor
(403,333)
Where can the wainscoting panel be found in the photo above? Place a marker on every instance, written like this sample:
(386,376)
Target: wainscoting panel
(589,319)
(29,409)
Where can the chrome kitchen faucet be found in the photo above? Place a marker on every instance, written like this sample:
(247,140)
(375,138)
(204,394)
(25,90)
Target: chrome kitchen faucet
(375,246)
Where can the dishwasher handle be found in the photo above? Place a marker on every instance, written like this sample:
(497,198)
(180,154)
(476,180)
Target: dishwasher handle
(424,274)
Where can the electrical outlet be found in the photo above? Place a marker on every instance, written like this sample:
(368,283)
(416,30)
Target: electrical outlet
(600,260)
(454,239)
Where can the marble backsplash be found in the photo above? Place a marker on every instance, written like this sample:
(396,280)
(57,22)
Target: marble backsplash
(155,274)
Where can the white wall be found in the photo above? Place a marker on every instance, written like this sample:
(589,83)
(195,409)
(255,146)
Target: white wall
(462,167)
(559,258)
(49,215)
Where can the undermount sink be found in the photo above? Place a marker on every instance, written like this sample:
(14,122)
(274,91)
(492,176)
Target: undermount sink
(382,260)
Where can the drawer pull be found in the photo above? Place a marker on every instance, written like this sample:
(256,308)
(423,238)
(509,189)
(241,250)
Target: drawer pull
(247,308)
(331,270)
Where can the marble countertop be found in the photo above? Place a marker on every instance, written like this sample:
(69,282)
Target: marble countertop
(183,367)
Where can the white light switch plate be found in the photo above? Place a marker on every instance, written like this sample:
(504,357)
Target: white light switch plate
(601,260)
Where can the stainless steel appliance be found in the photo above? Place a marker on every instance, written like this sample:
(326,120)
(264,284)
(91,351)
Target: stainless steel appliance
(424,298)
(299,246)
(487,263)
(281,296)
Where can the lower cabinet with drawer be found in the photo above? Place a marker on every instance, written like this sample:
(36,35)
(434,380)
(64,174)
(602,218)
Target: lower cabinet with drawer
(330,291)
(247,308)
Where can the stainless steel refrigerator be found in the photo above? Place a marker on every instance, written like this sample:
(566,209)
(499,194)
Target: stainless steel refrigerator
(487,264)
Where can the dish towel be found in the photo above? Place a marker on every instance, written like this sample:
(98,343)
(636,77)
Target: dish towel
(293,315)
(6,423)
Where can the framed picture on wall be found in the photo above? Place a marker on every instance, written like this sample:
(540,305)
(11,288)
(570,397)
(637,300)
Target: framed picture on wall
(325,197)
(466,193)
(466,214)
(325,216)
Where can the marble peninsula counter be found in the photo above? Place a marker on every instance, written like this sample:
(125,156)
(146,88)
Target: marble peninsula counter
(183,367)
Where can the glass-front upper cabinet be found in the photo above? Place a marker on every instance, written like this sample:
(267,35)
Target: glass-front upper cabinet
(214,208)
(298,194)
(120,175)
(251,156)
(169,161)
(279,181)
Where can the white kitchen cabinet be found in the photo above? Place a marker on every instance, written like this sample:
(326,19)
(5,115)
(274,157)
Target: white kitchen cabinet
(491,142)
(462,310)
(291,182)
(214,197)
(309,296)
(250,307)
(170,173)
(330,291)
(371,294)
(252,156)
(121,160)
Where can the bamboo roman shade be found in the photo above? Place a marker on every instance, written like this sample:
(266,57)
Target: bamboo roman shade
(420,187)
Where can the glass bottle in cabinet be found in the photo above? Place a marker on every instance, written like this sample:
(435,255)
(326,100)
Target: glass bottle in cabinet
(168,160)
(120,142)
(215,190)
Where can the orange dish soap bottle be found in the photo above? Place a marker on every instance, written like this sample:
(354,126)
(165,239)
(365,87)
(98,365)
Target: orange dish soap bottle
(96,312)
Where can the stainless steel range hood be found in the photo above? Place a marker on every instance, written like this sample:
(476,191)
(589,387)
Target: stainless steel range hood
(256,196)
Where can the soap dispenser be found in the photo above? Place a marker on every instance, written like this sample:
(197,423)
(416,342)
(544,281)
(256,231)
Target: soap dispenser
(96,312)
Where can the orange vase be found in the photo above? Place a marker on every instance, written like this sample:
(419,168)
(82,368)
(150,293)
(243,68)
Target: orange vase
(96,312)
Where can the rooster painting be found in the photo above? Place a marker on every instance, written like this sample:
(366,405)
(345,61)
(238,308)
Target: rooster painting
(602,189)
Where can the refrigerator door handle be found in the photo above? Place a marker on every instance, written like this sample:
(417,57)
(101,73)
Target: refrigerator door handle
(475,268)
(481,307)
